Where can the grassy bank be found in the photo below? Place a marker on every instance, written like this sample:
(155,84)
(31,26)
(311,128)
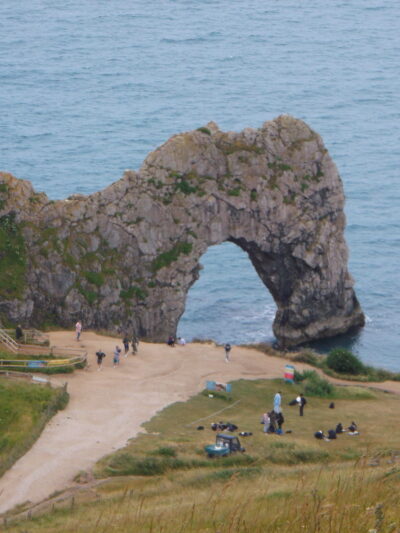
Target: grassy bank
(25,409)
(163,482)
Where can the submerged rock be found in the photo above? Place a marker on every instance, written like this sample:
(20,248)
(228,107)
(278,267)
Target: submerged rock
(126,256)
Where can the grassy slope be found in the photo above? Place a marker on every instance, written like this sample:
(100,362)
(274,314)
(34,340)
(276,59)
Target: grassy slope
(24,409)
(283,483)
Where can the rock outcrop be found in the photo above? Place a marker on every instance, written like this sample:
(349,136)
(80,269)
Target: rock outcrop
(126,256)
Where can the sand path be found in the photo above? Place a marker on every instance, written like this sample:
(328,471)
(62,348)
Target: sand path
(107,408)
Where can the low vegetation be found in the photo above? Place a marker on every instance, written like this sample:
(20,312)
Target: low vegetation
(342,363)
(12,257)
(162,480)
(166,258)
(24,410)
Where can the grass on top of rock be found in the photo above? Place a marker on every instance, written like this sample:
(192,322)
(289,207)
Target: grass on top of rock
(291,482)
(12,258)
(172,255)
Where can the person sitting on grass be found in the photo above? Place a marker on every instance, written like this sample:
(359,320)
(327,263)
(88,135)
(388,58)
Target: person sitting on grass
(339,428)
(353,429)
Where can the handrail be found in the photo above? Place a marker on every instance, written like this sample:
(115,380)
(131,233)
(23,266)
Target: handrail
(68,356)
(8,341)
(18,363)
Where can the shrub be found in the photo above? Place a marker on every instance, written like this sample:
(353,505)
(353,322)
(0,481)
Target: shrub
(344,362)
(204,130)
(306,356)
(165,451)
(317,386)
(301,376)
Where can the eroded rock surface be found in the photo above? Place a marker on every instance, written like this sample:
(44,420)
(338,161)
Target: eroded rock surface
(127,255)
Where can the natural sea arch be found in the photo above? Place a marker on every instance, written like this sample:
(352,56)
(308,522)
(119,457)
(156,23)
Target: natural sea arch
(125,258)
(229,302)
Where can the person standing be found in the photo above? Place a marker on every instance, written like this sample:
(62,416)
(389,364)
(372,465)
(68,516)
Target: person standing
(125,342)
(135,344)
(18,333)
(117,352)
(100,356)
(78,330)
(302,403)
(266,421)
(228,348)
(277,402)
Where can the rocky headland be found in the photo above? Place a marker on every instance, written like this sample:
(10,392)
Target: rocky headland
(125,257)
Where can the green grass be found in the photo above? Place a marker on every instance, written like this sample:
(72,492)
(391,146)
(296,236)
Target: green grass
(205,130)
(96,278)
(24,410)
(167,258)
(175,429)
(351,368)
(133,292)
(162,480)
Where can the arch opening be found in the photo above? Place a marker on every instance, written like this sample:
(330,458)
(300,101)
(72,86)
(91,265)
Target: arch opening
(229,302)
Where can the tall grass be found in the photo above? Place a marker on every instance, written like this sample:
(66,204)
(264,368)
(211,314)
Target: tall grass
(319,501)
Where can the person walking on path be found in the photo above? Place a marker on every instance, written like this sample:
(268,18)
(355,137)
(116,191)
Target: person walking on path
(117,352)
(125,342)
(228,348)
(302,403)
(277,402)
(100,356)
(78,330)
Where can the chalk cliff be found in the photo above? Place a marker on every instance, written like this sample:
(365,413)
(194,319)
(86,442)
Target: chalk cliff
(126,256)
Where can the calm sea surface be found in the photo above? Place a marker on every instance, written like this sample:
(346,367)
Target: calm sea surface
(87,89)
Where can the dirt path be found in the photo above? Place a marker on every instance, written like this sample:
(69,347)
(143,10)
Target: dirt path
(107,408)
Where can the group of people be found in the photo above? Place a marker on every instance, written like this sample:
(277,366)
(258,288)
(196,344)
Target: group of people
(352,429)
(273,420)
(117,352)
(172,341)
(100,355)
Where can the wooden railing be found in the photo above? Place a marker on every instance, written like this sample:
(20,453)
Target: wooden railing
(29,336)
(43,363)
(8,341)
(59,356)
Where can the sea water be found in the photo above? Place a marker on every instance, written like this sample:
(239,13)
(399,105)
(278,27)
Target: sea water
(87,89)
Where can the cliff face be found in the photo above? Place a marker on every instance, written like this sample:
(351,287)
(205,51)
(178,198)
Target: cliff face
(127,255)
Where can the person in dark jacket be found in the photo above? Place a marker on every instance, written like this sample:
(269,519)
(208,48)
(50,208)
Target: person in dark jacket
(302,403)
(18,333)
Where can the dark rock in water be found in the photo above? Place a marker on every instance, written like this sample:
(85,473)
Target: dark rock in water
(125,257)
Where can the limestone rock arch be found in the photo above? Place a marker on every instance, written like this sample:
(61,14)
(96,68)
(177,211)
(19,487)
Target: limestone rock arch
(125,257)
